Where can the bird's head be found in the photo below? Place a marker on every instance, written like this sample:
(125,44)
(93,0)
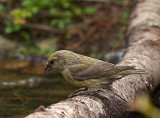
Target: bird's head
(60,60)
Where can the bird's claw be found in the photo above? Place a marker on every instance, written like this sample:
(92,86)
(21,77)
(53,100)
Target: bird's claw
(81,91)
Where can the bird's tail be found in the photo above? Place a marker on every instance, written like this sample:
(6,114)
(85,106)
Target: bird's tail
(124,73)
(132,71)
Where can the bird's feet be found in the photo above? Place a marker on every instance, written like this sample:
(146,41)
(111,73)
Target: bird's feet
(84,91)
(81,91)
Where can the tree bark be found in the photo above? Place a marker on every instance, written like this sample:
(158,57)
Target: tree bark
(143,51)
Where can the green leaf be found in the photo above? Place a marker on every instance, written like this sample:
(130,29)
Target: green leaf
(27,3)
(34,10)
(20,13)
(67,14)
(10,27)
(54,22)
(66,4)
(89,10)
(54,11)
(78,11)
(61,25)
(8,30)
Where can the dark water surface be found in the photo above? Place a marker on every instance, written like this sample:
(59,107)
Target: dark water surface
(23,87)
(21,94)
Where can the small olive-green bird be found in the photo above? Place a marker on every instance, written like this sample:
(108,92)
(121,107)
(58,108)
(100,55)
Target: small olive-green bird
(83,71)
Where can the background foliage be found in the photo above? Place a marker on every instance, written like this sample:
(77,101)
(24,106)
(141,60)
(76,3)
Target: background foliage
(81,26)
(37,28)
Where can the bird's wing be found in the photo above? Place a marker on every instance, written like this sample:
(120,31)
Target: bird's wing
(99,70)
(95,71)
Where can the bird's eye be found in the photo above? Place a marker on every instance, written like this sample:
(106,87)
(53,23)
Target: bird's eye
(52,61)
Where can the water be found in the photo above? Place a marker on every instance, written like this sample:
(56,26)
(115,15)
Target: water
(23,87)
(21,94)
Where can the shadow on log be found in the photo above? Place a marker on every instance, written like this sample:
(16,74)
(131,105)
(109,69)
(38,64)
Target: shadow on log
(143,51)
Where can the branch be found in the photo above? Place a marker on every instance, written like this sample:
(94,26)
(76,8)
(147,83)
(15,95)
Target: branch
(43,27)
(143,52)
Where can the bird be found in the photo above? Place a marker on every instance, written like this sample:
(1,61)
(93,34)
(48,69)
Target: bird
(87,72)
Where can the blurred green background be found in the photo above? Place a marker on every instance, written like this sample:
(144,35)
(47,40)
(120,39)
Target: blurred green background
(39,27)
(31,30)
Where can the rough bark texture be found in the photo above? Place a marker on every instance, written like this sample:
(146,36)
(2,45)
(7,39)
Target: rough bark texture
(143,39)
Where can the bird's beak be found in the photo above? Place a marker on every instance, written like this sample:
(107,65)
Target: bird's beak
(47,68)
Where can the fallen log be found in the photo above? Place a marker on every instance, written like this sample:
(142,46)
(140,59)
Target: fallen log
(143,51)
